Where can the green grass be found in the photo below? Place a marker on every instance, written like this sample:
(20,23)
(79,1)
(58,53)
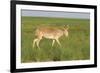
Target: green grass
(75,47)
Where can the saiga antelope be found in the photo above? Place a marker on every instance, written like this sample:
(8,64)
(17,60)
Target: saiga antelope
(49,33)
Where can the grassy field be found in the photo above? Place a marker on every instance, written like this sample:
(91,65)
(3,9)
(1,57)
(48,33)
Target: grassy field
(75,47)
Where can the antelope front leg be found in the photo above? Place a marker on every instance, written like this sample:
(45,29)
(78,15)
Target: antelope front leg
(53,42)
(58,42)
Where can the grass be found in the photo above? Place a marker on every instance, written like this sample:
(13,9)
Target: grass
(75,47)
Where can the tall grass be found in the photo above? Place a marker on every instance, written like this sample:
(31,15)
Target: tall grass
(74,47)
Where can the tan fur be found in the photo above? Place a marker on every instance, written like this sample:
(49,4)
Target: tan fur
(53,33)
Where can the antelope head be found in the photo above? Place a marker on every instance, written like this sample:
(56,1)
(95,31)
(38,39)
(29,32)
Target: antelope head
(66,27)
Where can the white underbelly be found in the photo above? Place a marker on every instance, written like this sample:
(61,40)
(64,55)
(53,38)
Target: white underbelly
(49,36)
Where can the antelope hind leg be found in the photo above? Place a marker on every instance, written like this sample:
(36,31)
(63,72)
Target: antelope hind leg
(37,43)
(34,41)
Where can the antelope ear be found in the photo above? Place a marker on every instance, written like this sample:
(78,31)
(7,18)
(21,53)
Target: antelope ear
(66,26)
